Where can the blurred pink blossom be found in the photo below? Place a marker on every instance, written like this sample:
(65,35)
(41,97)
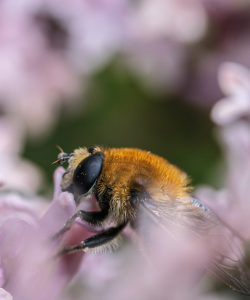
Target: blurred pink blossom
(180,20)
(234,81)
(19,175)
(223,8)
(232,203)
(174,270)
(158,62)
(46,48)
(5,295)
(27,272)
(158,36)
(227,40)
(26,269)
(12,136)
(16,173)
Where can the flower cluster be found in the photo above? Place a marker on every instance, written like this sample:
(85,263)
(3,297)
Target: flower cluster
(232,114)
(29,269)
(49,49)
(46,46)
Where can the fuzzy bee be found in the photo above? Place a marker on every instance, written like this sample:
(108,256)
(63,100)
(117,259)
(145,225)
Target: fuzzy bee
(131,184)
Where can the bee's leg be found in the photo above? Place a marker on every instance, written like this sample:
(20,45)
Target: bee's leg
(90,217)
(94,241)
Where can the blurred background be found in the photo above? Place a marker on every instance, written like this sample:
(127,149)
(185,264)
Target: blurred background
(118,74)
(127,73)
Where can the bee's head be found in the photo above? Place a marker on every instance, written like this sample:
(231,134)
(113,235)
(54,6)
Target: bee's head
(87,172)
(63,157)
(85,166)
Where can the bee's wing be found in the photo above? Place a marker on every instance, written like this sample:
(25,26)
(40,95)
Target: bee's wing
(192,217)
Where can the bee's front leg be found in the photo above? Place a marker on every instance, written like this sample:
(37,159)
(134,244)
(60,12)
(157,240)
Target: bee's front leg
(95,240)
(93,218)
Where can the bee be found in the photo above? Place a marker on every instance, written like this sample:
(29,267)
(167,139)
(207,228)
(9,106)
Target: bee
(131,184)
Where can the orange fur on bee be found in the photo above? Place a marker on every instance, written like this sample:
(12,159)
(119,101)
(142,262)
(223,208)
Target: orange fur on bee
(123,168)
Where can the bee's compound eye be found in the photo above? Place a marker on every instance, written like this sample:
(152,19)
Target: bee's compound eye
(86,173)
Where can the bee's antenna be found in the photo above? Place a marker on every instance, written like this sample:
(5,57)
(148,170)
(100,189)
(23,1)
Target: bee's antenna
(60,148)
(62,157)
(56,161)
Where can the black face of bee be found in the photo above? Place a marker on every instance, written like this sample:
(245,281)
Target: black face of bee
(86,173)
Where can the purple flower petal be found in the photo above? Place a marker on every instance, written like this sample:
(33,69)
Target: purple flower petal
(5,295)
(57,181)
(234,81)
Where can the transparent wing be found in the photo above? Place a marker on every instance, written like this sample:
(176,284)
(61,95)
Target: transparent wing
(192,217)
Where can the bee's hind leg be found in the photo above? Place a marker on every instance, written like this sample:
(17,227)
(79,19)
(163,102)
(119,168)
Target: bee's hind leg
(91,217)
(94,241)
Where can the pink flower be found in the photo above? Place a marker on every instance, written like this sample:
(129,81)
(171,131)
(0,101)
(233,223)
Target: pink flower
(180,20)
(5,295)
(227,42)
(46,49)
(158,62)
(157,37)
(174,269)
(224,8)
(16,173)
(234,81)
(232,202)
(27,269)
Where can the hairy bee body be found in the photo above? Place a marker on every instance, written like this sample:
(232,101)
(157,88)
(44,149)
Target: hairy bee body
(132,185)
(126,175)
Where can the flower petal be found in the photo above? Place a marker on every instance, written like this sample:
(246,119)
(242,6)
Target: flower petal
(5,295)
(234,81)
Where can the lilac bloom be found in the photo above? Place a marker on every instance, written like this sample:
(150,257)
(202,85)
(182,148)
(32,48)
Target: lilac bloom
(16,173)
(47,50)
(234,81)
(231,203)
(229,27)
(180,20)
(5,295)
(27,268)
(158,35)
